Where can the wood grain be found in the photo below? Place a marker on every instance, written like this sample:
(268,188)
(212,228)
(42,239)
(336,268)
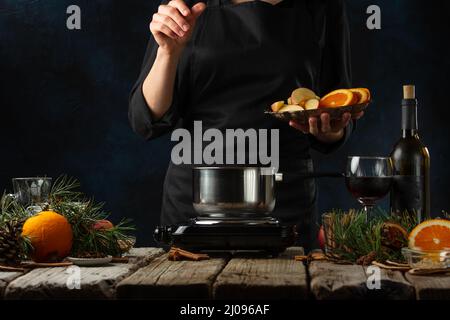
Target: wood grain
(149,275)
(5,279)
(260,277)
(164,279)
(331,281)
(394,286)
(434,287)
(96,282)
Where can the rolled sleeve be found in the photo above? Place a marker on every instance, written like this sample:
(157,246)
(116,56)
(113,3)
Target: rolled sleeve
(139,113)
(142,121)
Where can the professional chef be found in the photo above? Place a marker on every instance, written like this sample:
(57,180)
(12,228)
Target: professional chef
(223,62)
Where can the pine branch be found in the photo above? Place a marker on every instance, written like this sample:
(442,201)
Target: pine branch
(64,189)
(100,243)
(11,210)
(354,237)
(82,214)
(407,221)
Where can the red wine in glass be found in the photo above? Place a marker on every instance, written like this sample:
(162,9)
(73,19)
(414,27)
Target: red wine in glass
(369,179)
(369,190)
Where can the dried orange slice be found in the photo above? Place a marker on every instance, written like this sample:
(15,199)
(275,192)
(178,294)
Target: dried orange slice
(431,235)
(338,98)
(363,95)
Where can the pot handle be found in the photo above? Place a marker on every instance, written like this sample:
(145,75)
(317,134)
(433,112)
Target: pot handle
(280,177)
(322,175)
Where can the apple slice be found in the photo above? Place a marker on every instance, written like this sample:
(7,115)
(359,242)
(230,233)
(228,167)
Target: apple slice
(302,94)
(289,101)
(277,106)
(291,108)
(312,104)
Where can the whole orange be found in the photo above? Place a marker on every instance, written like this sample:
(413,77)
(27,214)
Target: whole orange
(51,236)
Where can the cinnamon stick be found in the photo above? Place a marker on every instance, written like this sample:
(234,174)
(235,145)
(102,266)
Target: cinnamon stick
(34,265)
(314,256)
(301,258)
(11,269)
(177,254)
(124,260)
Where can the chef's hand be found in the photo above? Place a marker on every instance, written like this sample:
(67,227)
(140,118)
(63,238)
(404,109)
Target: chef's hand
(328,131)
(173,24)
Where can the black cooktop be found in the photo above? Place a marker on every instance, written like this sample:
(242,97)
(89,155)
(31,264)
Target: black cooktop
(229,235)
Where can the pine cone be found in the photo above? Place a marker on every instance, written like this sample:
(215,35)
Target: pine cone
(394,236)
(11,249)
(367,260)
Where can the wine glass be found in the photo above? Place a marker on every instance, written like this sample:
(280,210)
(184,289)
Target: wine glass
(369,179)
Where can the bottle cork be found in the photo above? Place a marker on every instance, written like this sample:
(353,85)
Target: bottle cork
(409,92)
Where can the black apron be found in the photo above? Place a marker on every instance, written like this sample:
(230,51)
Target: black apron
(242,59)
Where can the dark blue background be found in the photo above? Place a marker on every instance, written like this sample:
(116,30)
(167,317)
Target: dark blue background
(64,98)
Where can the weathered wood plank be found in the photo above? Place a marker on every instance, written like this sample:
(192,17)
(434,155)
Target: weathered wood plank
(433,287)
(331,281)
(142,256)
(394,286)
(5,279)
(263,278)
(164,279)
(96,282)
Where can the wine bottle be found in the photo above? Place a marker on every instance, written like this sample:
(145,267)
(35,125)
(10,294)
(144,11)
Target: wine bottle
(411,161)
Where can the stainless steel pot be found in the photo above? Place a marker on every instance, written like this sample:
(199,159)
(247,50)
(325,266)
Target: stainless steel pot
(230,192)
(239,192)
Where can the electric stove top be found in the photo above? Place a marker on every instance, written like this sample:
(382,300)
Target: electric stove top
(208,234)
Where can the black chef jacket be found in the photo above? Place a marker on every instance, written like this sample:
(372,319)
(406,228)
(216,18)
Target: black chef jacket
(240,59)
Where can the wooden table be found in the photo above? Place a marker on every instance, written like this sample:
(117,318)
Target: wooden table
(150,275)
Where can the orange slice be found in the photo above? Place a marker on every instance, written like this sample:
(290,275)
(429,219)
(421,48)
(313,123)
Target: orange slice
(357,96)
(369,94)
(363,95)
(338,98)
(431,235)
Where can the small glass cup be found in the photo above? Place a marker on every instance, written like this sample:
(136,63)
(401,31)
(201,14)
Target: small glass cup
(32,193)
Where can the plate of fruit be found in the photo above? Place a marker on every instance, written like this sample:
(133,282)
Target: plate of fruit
(305,103)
